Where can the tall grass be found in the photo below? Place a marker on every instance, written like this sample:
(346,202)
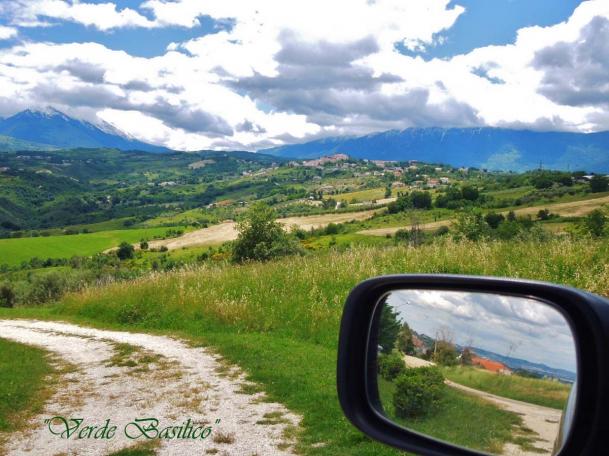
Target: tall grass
(303,297)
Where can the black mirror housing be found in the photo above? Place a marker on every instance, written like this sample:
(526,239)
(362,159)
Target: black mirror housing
(587,314)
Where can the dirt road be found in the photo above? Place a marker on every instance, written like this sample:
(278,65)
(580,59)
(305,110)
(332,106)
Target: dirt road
(227,231)
(544,421)
(124,376)
(570,209)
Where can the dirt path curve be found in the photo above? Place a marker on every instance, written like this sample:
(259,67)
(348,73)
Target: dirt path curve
(568,209)
(544,421)
(123,376)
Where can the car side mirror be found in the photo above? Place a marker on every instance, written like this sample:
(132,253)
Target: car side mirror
(457,365)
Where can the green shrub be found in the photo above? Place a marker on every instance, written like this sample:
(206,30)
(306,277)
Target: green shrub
(418,391)
(391,366)
(47,288)
(125,251)
(7,295)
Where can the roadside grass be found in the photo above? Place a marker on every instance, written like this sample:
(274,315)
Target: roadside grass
(461,419)
(279,320)
(15,250)
(22,383)
(534,391)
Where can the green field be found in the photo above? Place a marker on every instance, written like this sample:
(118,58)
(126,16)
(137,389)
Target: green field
(361,195)
(460,419)
(279,320)
(14,251)
(22,386)
(531,390)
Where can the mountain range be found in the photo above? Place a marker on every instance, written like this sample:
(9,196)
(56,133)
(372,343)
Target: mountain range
(51,129)
(536,368)
(487,148)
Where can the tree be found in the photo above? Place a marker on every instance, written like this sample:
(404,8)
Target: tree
(388,191)
(471,225)
(596,223)
(405,343)
(261,237)
(511,217)
(470,193)
(125,251)
(466,357)
(389,328)
(444,351)
(599,183)
(420,200)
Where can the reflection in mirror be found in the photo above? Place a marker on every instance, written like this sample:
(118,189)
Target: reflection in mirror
(489,372)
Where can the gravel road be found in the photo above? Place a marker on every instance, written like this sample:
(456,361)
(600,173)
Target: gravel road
(124,376)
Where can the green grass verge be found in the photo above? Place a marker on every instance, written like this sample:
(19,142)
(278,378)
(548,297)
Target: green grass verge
(460,419)
(22,383)
(531,390)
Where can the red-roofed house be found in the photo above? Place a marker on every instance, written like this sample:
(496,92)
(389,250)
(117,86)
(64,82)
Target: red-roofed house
(489,365)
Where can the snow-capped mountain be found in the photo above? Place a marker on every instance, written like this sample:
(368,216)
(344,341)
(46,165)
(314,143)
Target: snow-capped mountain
(54,128)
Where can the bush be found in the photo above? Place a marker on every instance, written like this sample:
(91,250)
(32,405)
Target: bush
(390,366)
(418,391)
(144,245)
(442,231)
(125,251)
(493,219)
(47,288)
(7,296)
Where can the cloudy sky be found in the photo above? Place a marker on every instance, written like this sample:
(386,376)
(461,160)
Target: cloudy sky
(510,326)
(193,74)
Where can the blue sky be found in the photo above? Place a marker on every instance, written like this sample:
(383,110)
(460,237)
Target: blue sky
(249,74)
(510,326)
(496,22)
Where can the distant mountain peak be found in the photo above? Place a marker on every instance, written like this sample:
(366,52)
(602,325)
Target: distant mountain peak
(50,126)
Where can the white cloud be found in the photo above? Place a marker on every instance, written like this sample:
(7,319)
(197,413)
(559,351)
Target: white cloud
(103,16)
(7,32)
(288,71)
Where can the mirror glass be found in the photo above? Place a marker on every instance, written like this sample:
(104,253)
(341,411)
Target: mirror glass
(489,372)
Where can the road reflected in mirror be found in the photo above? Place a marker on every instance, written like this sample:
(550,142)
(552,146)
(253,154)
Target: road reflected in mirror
(489,372)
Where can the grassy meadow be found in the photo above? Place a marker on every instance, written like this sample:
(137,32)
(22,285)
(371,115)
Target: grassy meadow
(23,370)
(279,320)
(532,390)
(15,250)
